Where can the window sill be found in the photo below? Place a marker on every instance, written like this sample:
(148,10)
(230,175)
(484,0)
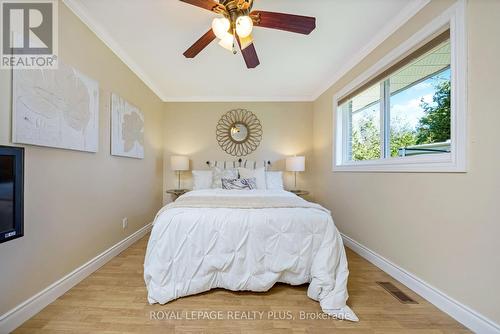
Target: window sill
(438,163)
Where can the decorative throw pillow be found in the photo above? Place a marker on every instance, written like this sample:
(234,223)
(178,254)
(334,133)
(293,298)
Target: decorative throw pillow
(259,174)
(274,180)
(218,174)
(202,179)
(239,184)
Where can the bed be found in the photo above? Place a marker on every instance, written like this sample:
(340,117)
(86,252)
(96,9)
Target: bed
(246,240)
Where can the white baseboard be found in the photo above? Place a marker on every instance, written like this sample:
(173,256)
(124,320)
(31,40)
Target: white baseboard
(24,311)
(463,314)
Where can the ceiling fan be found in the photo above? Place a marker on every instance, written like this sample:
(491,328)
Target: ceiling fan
(236,23)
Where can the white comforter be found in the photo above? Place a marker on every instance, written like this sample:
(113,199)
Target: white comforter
(195,247)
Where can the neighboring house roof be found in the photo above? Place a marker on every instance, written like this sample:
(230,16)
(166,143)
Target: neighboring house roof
(430,64)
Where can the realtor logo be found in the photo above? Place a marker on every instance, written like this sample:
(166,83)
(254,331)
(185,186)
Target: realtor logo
(28,34)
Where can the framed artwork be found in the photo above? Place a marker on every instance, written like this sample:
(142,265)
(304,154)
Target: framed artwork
(127,129)
(55,108)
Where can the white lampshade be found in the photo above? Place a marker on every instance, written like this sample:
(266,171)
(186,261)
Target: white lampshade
(227,42)
(296,164)
(220,26)
(178,162)
(244,26)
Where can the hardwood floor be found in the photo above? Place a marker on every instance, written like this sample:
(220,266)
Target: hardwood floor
(113,300)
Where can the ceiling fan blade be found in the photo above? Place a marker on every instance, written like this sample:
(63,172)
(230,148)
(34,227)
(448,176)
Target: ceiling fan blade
(281,21)
(200,44)
(207,4)
(249,54)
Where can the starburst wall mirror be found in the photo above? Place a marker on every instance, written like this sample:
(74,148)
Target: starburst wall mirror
(239,132)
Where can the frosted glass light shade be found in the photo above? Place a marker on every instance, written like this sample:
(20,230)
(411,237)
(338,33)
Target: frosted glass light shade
(227,42)
(220,26)
(244,26)
(178,162)
(296,164)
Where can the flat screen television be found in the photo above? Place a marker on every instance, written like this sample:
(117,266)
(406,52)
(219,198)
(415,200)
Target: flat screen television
(11,193)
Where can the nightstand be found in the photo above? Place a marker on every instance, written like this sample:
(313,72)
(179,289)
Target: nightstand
(177,192)
(300,193)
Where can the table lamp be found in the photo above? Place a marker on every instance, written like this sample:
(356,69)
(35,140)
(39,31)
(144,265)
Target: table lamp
(296,164)
(179,164)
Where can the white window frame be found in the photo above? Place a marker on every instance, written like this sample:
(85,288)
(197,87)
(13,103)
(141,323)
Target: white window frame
(455,161)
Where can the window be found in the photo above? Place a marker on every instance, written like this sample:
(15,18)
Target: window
(420,121)
(407,113)
(364,125)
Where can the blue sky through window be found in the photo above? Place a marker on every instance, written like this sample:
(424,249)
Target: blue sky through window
(405,105)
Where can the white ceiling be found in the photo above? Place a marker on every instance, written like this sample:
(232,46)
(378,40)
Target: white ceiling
(151,35)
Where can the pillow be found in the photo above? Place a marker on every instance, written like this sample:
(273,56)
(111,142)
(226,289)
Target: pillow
(259,174)
(274,180)
(202,179)
(218,174)
(239,184)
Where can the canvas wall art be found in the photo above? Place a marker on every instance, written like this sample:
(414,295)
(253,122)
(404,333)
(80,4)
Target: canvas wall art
(127,129)
(55,108)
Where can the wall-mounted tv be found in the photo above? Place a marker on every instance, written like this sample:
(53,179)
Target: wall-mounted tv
(11,193)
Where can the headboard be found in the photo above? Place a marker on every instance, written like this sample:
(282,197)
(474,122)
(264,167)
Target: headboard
(251,164)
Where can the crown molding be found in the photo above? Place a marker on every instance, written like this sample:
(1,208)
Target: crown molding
(239,99)
(104,36)
(407,13)
(390,28)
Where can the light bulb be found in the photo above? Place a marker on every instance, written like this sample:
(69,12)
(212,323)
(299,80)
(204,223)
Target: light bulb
(220,26)
(227,42)
(244,26)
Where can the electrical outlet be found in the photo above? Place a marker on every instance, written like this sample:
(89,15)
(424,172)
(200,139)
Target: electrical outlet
(125,223)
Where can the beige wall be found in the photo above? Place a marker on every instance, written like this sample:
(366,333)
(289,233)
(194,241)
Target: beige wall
(190,130)
(75,201)
(444,228)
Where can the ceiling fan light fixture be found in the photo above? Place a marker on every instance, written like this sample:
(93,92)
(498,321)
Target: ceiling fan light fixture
(244,26)
(220,27)
(235,23)
(227,42)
